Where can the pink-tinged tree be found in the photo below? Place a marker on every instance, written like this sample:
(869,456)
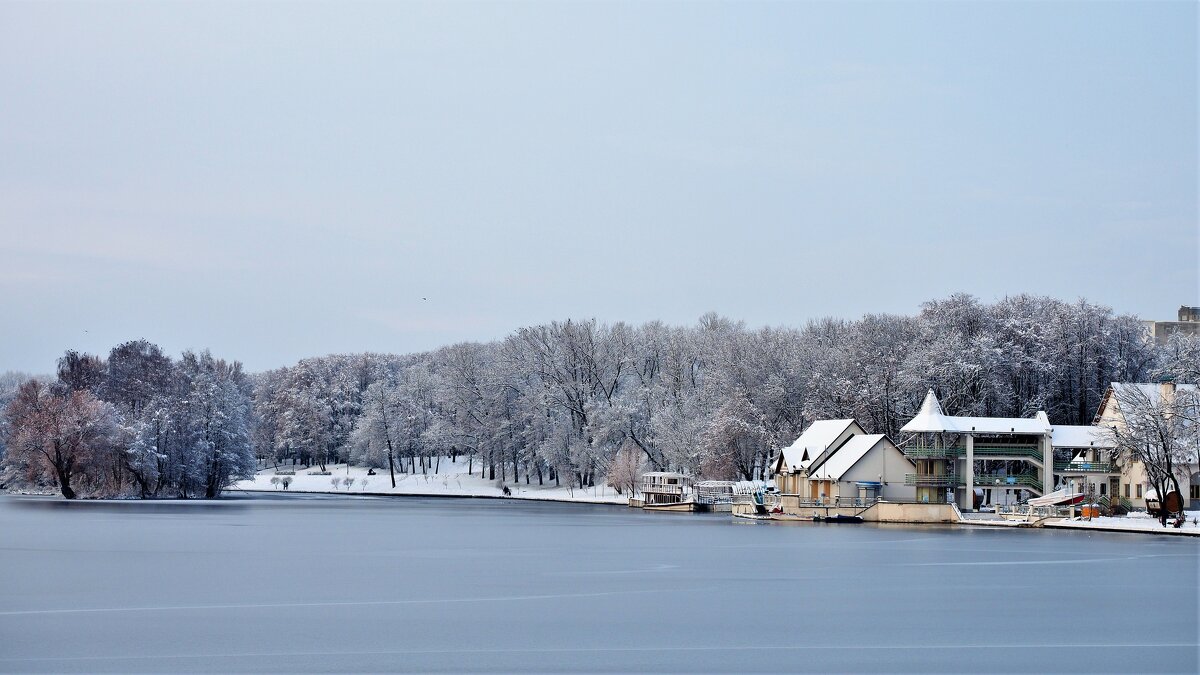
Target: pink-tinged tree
(58,435)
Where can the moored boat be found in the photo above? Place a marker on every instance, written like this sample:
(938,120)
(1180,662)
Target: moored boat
(1063,497)
(838,518)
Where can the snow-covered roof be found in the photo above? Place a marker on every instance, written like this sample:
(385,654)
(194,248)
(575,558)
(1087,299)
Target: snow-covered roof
(1152,392)
(1067,436)
(846,457)
(930,418)
(816,439)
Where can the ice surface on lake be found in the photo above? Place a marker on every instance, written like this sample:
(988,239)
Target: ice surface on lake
(302,583)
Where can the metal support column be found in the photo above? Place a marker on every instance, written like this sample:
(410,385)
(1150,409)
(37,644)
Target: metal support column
(970,474)
(1047,464)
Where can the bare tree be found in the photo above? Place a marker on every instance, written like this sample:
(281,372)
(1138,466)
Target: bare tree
(1158,429)
(79,372)
(380,427)
(58,434)
(625,469)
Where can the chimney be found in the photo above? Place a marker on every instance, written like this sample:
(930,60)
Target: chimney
(1166,390)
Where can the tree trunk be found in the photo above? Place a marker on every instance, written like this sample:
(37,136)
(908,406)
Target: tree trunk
(64,484)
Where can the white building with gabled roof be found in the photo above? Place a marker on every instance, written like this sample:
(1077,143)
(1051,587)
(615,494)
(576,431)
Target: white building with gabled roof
(820,439)
(865,467)
(836,461)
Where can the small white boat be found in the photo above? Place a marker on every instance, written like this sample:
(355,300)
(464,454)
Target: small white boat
(1064,497)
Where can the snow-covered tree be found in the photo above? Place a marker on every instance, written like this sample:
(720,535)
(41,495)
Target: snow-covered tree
(58,435)
(1160,428)
(218,420)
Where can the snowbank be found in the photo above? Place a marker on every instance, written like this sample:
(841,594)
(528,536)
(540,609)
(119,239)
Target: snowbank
(1134,522)
(451,480)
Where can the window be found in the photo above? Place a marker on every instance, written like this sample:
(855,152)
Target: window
(1127,491)
(1139,491)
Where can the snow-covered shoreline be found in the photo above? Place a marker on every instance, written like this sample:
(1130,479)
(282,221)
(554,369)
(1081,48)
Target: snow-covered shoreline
(1137,522)
(450,480)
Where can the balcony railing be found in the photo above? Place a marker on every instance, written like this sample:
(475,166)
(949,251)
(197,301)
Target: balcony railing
(661,489)
(1010,480)
(932,480)
(1026,451)
(933,453)
(980,451)
(792,500)
(1085,467)
(981,480)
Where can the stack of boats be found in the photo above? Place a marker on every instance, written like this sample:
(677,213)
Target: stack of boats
(1053,505)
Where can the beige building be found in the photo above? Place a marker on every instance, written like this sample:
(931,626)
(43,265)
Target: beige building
(1188,323)
(837,462)
(865,468)
(790,470)
(1132,483)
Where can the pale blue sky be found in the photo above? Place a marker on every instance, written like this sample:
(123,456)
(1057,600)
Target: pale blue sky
(277,181)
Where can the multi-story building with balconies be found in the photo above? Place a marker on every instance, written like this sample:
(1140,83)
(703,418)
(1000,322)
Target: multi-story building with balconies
(980,460)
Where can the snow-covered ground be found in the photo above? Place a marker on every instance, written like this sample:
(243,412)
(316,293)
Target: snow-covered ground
(451,480)
(1136,521)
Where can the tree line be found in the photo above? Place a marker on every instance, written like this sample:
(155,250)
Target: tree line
(573,402)
(135,424)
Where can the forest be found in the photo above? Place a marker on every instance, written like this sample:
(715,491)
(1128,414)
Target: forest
(564,402)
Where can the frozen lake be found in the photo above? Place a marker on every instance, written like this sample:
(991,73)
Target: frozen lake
(320,584)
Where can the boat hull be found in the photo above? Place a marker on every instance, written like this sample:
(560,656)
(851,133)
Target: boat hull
(682,507)
(846,520)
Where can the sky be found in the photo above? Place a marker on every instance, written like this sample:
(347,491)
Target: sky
(282,180)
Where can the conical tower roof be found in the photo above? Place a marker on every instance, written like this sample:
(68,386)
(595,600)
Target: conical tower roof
(930,417)
(931,405)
